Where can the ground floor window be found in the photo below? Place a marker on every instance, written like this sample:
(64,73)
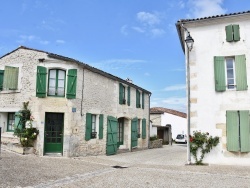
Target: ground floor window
(120,131)
(238,131)
(11,121)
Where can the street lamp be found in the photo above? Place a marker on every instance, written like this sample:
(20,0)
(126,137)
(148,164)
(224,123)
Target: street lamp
(189,42)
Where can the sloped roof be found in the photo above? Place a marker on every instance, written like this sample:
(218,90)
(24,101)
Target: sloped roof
(183,21)
(215,16)
(86,66)
(161,110)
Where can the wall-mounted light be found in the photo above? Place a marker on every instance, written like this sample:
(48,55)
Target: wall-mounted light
(189,42)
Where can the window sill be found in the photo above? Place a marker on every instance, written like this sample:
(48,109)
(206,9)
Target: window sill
(10,91)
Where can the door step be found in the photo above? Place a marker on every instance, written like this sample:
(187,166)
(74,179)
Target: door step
(53,154)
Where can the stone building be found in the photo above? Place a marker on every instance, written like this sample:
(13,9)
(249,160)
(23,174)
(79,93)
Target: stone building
(79,110)
(219,76)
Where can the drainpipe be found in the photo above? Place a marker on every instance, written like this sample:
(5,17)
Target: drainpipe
(82,90)
(149,95)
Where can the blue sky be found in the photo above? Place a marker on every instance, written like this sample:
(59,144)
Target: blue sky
(134,39)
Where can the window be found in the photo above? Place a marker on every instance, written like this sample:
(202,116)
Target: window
(9,78)
(122,94)
(56,82)
(232,33)
(1,79)
(139,128)
(91,126)
(11,122)
(238,131)
(120,132)
(93,123)
(230,73)
(138,99)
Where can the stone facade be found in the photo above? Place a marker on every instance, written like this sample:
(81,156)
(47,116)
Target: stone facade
(97,93)
(208,107)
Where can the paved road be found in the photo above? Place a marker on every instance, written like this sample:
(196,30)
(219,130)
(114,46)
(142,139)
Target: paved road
(163,167)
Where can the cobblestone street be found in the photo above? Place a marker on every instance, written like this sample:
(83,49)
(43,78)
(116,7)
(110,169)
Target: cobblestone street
(164,167)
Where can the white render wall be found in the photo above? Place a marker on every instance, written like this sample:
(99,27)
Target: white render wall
(95,94)
(208,108)
(178,124)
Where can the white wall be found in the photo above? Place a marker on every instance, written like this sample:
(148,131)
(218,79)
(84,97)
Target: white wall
(178,124)
(208,113)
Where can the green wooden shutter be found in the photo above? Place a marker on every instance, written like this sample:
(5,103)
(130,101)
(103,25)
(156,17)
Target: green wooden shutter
(232,123)
(112,127)
(229,33)
(134,133)
(120,93)
(244,131)
(41,81)
(128,100)
(71,86)
(17,121)
(240,71)
(142,98)
(88,126)
(219,73)
(10,78)
(138,104)
(101,126)
(1,79)
(236,32)
(144,128)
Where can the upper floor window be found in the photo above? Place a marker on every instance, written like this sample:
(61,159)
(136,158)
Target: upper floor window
(9,78)
(230,73)
(232,33)
(139,99)
(123,98)
(56,82)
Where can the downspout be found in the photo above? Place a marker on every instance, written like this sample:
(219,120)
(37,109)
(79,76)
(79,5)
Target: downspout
(149,95)
(82,90)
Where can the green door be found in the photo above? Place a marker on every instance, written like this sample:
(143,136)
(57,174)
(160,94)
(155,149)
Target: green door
(120,132)
(53,133)
(134,133)
(111,136)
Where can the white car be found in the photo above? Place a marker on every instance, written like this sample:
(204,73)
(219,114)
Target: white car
(181,138)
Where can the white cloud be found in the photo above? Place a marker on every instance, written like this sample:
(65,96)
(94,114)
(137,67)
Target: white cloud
(148,18)
(203,8)
(181,4)
(44,42)
(124,30)
(118,64)
(149,24)
(175,103)
(26,38)
(138,29)
(60,41)
(175,87)
(146,74)
(157,32)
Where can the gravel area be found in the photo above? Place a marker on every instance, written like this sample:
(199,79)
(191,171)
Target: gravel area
(162,167)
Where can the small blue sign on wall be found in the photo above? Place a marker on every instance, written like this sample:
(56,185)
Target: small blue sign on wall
(73,109)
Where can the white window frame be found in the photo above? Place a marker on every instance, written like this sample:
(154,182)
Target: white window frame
(234,76)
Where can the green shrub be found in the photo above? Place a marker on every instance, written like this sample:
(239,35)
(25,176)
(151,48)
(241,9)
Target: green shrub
(203,143)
